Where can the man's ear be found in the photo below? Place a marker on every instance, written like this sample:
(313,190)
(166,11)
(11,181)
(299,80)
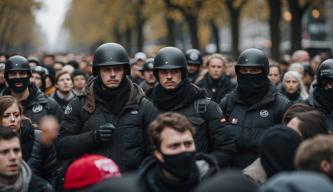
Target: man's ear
(158,156)
(325,166)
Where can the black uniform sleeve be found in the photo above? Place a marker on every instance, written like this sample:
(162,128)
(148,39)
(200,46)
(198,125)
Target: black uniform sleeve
(150,113)
(56,110)
(43,160)
(71,141)
(222,143)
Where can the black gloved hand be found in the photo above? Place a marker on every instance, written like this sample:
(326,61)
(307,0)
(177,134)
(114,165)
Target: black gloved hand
(104,132)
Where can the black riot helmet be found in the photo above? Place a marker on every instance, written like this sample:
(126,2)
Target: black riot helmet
(17,63)
(149,65)
(170,58)
(253,57)
(193,56)
(34,60)
(109,54)
(325,72)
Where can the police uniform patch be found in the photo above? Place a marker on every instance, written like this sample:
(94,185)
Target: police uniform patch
(264,113)
(37,108)
(194,56)
(150,65)
(68,109)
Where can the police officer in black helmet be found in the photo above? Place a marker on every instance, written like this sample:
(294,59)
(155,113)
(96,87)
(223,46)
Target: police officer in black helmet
(322,96)
(194,62)
(111,119)
(35,103)
(149,79)
(253,106)
(174,92)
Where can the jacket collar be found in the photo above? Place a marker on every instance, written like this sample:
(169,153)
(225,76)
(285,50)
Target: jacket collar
(136,93)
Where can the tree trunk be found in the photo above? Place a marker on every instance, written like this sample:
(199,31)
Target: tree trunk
(128,37)
(192,22)
(274,27)
(234,19)
(139,33)
(140,21)
(117,35)
(171,41)
(215,34)
(297,13)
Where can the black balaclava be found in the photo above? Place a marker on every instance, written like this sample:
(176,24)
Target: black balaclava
(116,98)
(12,84)
(324,97)
(277,149)
(252,87)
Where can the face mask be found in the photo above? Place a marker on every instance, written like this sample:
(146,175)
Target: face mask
(12,82)
(180,165)
(252,87)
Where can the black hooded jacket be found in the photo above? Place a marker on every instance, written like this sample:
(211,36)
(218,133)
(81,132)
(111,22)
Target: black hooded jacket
(246,123)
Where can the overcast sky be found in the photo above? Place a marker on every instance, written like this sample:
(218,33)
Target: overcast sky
(51,16)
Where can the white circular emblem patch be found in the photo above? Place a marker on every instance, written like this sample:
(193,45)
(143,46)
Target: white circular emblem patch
(68,109)
(37,108)
(194,56)
(264,113)
(150,65)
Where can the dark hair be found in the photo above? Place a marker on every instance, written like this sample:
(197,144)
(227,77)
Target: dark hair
(171,120)
(60,62)
(77,72)
(7,133)
(61,74)
(312,123)
(293,110)
(73,63)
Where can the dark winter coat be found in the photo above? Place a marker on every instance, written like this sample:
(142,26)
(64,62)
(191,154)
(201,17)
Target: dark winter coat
(130,144)
(247,123)
(38,184)
(210,138)
(216,89)
(63,102)
(138,181)
(40,158)
(38,105)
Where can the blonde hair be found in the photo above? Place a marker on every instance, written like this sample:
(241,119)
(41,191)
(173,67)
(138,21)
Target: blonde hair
(299,79)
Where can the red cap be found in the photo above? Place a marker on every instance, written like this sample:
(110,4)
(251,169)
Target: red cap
(88,170)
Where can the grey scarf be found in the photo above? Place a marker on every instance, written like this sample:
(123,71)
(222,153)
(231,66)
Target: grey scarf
(22,182)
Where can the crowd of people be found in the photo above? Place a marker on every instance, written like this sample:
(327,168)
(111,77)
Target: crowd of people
(175,121)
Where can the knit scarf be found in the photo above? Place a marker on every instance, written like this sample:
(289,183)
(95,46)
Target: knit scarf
(168,100)
(114,99)
(22,182)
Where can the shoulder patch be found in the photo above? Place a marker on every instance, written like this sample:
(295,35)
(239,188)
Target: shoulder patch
(37,108)
(264,113)
(68,109)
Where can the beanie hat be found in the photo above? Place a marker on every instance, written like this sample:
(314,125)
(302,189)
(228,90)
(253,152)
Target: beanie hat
(88,170)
